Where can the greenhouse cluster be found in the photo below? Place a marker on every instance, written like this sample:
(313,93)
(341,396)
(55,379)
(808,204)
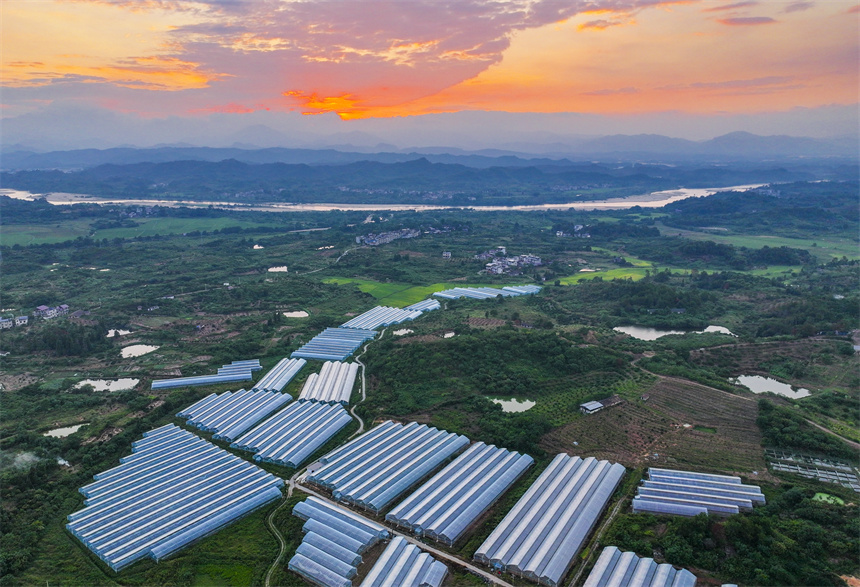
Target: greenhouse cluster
(405,565)
(235,371)
(381,316)
(687,493)
(280,375)
(229,414)
(292,435)
(626,569)
(375,468)
(333,384)
(483,293)
(542,534)
(173,489)
(425,306)
(334,539)
(334,344)
(446,505)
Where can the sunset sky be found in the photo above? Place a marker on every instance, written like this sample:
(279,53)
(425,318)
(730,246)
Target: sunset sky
(369,59)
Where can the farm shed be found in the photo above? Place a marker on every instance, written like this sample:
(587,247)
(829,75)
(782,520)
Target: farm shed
(333,384)
(541,535)
(381,316)
(293,434)
(334,344)
(590,407)
(687,493)
(377,467)
(404,565)
(446,505)
(230,414)
(333,541)
(626,569)
(174,489)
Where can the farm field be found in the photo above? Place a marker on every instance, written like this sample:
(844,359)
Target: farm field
(41,234)
(399,295)
(653,432)
(824,247)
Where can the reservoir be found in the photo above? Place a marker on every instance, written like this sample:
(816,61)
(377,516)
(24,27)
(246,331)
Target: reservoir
(759,384)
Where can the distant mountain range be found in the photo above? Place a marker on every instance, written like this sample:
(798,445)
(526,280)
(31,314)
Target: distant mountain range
(730,148)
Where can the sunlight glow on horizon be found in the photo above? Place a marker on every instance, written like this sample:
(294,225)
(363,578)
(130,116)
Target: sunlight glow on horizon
(373,60)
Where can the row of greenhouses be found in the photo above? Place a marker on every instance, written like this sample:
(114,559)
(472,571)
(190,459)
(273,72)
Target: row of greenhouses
(483,293)
(292,435)
(174,489)
(280,375)
(235,371)
(333,384)
(405,565)
(333,541)
(626,569)
(229,414)
(334,344)
(688,493)
(542,534)
(446,505)
(379,466)
(381,316)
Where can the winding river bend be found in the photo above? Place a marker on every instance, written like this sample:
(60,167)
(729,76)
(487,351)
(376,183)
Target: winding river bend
(651,200)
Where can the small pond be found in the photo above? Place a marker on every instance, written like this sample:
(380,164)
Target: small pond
(403,331)
(117,332)
(296,314)
(65,431)
(513,404)
(278,269)
(647,333)
(759,384)
(137,350)
(109,384)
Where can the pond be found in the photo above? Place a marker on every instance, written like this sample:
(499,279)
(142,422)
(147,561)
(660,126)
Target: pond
(65,431)
(109,384)
(403,331)
(117,332)
(513,404)
(296,314)
(759,384)
(278,269)
(136,350)
(647,333)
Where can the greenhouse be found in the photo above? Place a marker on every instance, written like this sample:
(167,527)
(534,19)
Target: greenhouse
(542,534)
(230,414)
(334,344)
(483,293)
(381,316)
(425,306)
(405,565)
(333,541)
(292,435)
(377,467)
(235,371)
(446,505)
(174,489)
(687,493)
(333,384)
(280,375)
(626,569)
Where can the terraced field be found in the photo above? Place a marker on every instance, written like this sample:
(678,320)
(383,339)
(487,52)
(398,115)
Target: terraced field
(681,422)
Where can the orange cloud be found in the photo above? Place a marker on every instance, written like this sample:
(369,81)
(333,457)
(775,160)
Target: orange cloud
(346,106)
(145,73)
(746,20)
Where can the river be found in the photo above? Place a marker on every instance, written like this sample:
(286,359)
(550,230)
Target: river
(652,200)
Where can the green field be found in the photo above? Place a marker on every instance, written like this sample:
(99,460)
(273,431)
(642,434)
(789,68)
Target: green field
(45,234)
(824,248)
(634,273)
(827,498)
